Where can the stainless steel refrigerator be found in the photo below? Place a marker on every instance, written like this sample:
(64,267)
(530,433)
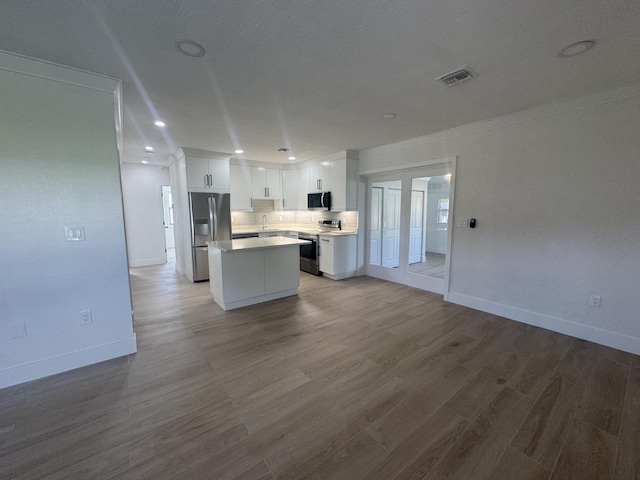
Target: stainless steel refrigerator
(210,221)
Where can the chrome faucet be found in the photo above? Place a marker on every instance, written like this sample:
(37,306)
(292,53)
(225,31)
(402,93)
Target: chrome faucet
(264,222)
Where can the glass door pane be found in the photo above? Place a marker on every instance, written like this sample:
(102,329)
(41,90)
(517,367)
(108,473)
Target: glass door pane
(428,226)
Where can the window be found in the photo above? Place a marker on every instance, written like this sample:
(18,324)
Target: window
(443,210)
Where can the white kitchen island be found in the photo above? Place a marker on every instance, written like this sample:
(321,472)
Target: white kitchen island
(253,270)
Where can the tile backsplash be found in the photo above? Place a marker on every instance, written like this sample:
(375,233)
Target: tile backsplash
(300,217)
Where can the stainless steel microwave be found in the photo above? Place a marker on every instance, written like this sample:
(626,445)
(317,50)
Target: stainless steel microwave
(319,201)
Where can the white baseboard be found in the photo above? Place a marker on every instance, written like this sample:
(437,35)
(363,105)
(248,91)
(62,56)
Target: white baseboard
(62,363)
(255,300)
(585,332)
(146,262)
(340,276)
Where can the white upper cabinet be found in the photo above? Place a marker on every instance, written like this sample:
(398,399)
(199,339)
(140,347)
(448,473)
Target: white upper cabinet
(344,184)
(337,174)
(303,187)
(265,183)
(320,177)
(207,174)
(290,191)
(240,187)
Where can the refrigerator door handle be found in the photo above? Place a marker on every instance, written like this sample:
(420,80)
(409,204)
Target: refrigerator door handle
(214,218)
(210,219)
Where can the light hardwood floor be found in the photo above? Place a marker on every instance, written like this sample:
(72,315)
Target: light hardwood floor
(358,379)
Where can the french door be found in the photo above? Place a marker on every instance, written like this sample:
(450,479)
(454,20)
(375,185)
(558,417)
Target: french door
(408,227)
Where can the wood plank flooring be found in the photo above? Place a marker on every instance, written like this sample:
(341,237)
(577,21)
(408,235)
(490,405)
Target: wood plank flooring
(358,379)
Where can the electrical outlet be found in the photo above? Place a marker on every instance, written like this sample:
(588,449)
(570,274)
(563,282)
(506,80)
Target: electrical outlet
(594,300)
(280,217)
(85,317)
(74,234)
(313,219)
(464,223)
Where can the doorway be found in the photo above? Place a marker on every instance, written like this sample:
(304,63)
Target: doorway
(408,227)
(167,221)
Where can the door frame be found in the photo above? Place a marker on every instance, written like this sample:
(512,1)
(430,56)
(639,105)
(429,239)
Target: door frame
(406,173)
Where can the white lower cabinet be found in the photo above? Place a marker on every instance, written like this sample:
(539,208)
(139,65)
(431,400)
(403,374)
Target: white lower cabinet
(281,270)
(249,276)
(337,255)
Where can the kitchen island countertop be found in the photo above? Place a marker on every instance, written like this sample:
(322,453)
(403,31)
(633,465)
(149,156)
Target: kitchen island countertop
(254,243)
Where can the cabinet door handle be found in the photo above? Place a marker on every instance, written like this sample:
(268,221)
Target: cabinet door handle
(268,192)
(210,180)
(206,180)
(324,240)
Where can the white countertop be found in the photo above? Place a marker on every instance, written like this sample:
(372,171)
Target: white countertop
(336,233)
(255,243)
(292,228)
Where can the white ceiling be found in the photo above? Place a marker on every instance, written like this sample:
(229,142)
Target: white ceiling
(316,76)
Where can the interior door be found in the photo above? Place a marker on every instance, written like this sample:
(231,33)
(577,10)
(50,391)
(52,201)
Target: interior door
(375,237)
(391,227)
(416,227)
(167,208)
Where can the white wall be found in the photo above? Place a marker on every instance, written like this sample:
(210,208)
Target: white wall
(556,196)
(59,167)
(143,213)
(178,191)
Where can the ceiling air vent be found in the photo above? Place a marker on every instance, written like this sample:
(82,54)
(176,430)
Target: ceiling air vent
(453,78)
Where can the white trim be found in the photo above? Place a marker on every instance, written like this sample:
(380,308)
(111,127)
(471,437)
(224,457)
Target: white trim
(507,120)
(62,363)
(12,62)
(400,169)
(555,324)
(254,300)
(340,276)
(146,262)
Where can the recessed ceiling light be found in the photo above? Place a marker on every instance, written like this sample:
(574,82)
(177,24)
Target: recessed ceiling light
(576,48)
(239,151)
(159,123)
(148,149)
(389,116)
(145,162)
(292,158)
(190,48)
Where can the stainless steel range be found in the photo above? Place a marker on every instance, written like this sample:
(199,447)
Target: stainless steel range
(309,254)
(325,226)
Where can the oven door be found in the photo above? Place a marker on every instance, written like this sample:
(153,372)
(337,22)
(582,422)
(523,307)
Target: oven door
(309,254)
(309,250)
